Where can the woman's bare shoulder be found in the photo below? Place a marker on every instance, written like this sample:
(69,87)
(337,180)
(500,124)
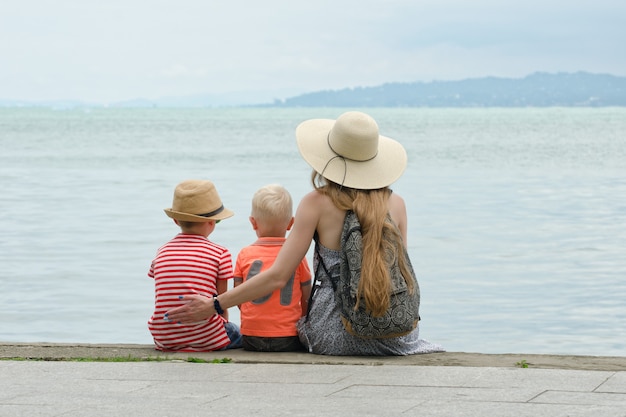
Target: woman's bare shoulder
(397,209)
(319,203)
(313,196)
(329,218)
(396,203)
(395,197)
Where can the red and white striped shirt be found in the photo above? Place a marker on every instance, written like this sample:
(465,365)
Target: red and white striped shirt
(188,264)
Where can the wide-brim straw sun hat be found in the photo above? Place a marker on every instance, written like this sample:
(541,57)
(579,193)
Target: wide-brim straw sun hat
(197,201)
(350,151)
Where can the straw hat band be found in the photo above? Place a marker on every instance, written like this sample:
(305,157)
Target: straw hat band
(339,155)
(357,140)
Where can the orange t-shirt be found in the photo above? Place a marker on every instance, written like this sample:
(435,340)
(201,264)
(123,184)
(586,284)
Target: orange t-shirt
(275,314)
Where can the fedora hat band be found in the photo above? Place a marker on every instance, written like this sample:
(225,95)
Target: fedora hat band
(213,213)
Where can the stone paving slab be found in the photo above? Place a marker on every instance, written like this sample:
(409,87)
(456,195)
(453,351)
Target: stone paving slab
(56,388)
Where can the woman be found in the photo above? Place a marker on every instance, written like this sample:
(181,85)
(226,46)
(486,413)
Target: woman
(353,168)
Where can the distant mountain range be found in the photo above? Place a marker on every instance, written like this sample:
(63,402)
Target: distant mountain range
(580,89)
(536,90)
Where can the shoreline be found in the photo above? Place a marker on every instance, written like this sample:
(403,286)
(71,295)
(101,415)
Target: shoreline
(74,351)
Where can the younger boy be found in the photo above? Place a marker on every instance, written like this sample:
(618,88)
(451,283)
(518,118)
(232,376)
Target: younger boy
(191,264)
(268,324)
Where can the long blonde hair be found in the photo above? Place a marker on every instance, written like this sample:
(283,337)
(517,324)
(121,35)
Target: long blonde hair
(382,240)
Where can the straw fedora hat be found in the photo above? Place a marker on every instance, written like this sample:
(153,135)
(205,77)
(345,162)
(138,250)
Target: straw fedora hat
(197,201)
(349,151)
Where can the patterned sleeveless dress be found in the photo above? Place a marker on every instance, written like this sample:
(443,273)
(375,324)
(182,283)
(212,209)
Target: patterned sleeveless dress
(324,334)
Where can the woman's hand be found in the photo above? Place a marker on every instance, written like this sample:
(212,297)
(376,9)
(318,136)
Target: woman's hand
(197,308)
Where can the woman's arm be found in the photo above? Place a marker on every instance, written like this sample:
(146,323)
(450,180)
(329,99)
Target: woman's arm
(293,250)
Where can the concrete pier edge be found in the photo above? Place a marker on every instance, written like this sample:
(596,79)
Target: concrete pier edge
(74,351)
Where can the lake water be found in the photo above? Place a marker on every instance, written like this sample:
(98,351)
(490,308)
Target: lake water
(517,217)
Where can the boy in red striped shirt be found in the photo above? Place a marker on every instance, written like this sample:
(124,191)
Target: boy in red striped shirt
(191,264)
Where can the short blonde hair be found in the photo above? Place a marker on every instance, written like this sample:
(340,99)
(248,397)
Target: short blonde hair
(272,202)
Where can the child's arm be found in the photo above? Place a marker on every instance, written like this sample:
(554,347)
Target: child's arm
(222,286)
(237,281)
(306,293)
(304,272)
(240,271)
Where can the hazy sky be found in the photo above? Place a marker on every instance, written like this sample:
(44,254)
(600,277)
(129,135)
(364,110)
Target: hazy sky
(104,51)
